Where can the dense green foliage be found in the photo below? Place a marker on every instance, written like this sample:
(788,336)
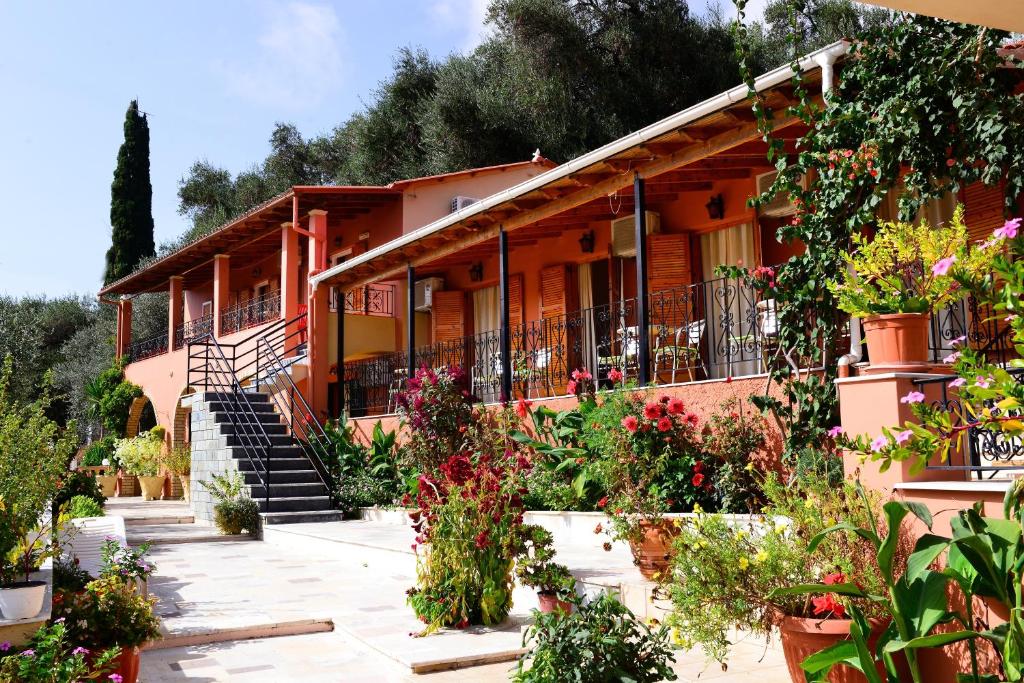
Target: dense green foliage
(233,510)
(53,657)
(363,476)
(113,397)
(83,506)
(78,484)
(131,200)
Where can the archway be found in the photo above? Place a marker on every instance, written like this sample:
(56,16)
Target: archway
(141,417)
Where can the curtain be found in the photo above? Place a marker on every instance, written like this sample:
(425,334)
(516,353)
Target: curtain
(586,299)
(725,306)
(486,313)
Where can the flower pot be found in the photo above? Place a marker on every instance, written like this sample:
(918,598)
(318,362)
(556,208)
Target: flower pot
(108,484)
(128,664)
(897,342)
(549,602)
(802,638)
(22,600)
(186,490)
(152,487)
(652,552)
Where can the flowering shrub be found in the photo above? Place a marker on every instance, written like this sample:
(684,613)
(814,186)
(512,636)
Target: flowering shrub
(730,438)
(436,410)
(108,613)
(724,570)
(141,455)
(51,656)
(469,513)
(124,561)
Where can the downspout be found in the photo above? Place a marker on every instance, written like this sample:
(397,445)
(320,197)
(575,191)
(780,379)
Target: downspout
(826,60)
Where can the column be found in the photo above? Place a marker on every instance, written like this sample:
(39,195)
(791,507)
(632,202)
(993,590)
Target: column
(175,311)
(289,271)
(410,321)
(340,360)
(643,313)
(317,321)
(124,326)
(221,289)
(506,334)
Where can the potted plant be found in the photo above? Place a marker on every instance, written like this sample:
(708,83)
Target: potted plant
(535,568)
(178,462)
(140,457)
(127,563)
(895,279)
(97,459)
(52,656)
(725,572)
(23,547)
(652,465)
(233,510)
(109,613)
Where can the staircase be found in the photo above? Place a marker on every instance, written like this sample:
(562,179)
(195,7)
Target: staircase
(262,423)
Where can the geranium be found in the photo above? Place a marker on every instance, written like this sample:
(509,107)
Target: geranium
(827,606)
(652,411)
(615,375)
(676,406)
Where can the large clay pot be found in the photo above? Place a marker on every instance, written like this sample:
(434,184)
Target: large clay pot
(22,600)
(801,638)
(128,664)
(652,553)
(186,490)
(152,487)
(108,484)
(897,342)
(549,602)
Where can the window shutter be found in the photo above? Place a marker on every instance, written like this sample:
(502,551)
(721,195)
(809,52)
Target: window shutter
(515,300)
(668,265)
(448,314)
(983,209)
(554,291)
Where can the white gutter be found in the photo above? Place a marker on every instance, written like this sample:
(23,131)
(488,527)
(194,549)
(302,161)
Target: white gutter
(769,80)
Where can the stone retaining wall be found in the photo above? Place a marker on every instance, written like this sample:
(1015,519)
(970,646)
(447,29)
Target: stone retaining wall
(210,456)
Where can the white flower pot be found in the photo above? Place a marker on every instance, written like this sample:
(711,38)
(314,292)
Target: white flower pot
(22,600)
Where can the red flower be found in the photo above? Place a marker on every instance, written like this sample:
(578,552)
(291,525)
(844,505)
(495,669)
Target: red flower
(664,424)
(692,418)
(630,423)
(570,388)
(482,540)
(698,466)
(698,479)
(652,411)
(614,375)
(601,503)
(676,407)
(523,408)
(834,578)
(827,605)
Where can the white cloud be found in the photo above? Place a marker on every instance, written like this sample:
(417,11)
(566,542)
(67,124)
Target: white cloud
(466,17)
(295,61)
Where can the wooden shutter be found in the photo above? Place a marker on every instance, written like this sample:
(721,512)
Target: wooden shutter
(448,315)
(554,291)
(668,265)
(515,299)
(983,209)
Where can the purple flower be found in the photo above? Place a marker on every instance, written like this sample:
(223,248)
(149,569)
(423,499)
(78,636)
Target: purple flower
(28,653)
(879,443)
(958,382)
(5,646)
(835,431)
(80,650)
(116,678)
(1009,229)
(904,436)
(959,340)
(952,358)
(984,382)
(942,266)
(913,397)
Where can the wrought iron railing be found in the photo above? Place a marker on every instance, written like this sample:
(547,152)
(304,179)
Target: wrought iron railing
(256,311)
(147,348)
(983,453)
(373,300)
(193,330)
(972,323)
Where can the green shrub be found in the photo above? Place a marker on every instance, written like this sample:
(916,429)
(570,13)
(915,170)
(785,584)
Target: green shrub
(599,642)
(141,455)
(114,398)
(363,476)
(68,575)
(179,459)
(83,506)
(233,509)
(98,451)
(78,483)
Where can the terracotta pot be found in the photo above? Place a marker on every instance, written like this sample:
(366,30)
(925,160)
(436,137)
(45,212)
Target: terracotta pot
(802,638)
(652,554)
(186,489)
(128,664)
(897,341)
(108,484)
(152,487)
(549,602)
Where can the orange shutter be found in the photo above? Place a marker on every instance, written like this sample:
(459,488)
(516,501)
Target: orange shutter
(448,315)
(554,291)
(515,299)
(668,264)
(983,209)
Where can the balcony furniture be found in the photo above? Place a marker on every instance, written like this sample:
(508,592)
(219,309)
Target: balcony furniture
(396,387)
(768,328)
(688,340)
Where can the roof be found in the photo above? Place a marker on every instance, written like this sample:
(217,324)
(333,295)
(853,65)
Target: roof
(721,123)
(441,177)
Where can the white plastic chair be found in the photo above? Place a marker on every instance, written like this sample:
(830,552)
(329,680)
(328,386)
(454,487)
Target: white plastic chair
(83,539)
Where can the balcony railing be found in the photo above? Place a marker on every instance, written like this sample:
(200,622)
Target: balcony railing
(373,300)
(147,348)
(256,311)
(715,329)
(967,321)
(193,330)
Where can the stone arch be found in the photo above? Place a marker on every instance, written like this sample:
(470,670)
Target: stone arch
(180,432)
(141,416)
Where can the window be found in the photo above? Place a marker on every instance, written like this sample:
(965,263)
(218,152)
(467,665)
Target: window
(207,308)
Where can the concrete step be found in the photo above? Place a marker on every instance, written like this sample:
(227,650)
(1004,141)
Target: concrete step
(221,396)
(275,440)
(295,504)
(284,477)
(291,490)
(301,517)
(276,464)
(225,406)
(252,428)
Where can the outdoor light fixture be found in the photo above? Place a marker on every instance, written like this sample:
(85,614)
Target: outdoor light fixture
(257,271)
(476,272)
(715,207)
(587,242)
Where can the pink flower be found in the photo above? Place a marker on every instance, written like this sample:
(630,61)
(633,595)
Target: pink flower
(958,382)
(904,436)
(115,678)
(942,266)
(80,651)
(835,431)
(984,382)
(28,653)
(630,423)
(952,358)
(879,443)
(652,411)
(1009,229)
(676,407)
(1010,318)
(913,397)
(664,424)
(5,646)
(615,375)
(959,340)
(570,388)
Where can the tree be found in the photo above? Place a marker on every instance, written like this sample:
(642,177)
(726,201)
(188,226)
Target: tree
(131,200)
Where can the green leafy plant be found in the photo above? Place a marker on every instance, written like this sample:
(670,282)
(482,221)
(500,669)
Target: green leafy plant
(601,641)
(51,656)
(83,506)
(731,439)
(535,565)
(178,459)
(68,575)
(364,476)
(78,484)
(108,613)
(98,451)
(122,560)
(233,510)
(141,455)
(113,396)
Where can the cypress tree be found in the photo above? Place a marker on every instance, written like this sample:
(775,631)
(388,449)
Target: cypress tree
(131,200)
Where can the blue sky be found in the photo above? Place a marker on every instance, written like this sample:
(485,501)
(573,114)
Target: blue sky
(213,78)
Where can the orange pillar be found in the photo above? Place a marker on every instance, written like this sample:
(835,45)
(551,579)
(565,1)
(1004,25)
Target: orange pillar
(319,363)
(289,271)
(175,311)
(124,326)
(221,288)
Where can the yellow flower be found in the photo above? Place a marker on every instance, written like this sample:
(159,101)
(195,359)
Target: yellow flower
(697,508)
(741,534)
(744,563)
(761,557)
(749,467)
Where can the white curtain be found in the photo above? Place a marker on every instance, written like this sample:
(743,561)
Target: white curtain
(727,247)
(486,314)
(586,299)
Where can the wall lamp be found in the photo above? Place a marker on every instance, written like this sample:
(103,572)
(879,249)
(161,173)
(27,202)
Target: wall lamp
(476,272)
(587,242)
(715,207)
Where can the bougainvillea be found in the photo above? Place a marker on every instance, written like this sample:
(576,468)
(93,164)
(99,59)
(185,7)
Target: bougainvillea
(436,410)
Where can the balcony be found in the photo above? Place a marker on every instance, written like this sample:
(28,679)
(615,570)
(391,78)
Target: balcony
(193,330)
(373,300)
(256,311)
(147,348)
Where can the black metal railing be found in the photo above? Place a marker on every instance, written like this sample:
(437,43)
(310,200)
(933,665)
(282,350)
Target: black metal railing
(968,322)
(982,453)
(715,329)
(373,300)
(256,311)
(147,348)
(193,330)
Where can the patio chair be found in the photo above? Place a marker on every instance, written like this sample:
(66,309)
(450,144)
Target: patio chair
(395,388)
(83,539)
(768,329)
(687,345)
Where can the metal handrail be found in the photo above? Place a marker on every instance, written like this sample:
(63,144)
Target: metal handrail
(147,348)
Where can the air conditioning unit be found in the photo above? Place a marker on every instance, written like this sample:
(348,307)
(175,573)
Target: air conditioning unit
(459,203)
(624,234)
(425,289)
(780,205)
